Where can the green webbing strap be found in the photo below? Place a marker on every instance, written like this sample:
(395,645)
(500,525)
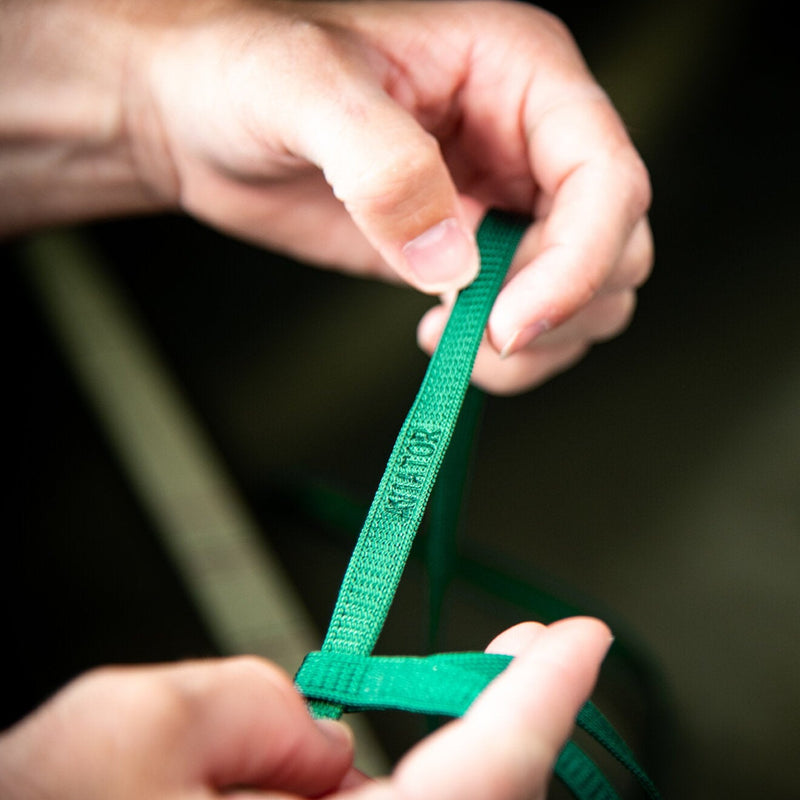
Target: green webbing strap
(446,684)
(343,676)
(396,512)
(592,720)
(582,776)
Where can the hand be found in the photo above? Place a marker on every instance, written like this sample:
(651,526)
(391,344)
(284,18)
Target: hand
(237,728)
(368,136)
(373,136)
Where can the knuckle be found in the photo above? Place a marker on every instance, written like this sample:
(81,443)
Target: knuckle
(252,667)
(165,702)
(541,21)
(316,39)
(589,286)
(590,276)
(640,188)
(643,262)
(625,167)
(146,693)
(396,183)
(636,261)
(553,24)
(619,313)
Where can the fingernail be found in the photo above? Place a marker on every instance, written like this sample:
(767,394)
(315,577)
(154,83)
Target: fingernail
(444,257)
(336,732)
(523,337)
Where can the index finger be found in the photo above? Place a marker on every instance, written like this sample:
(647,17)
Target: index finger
(593,188)
(248,726)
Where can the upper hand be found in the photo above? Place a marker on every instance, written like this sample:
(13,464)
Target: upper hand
(372,137)
(237,728)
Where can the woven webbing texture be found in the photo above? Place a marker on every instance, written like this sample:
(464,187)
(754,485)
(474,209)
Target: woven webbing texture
(344,676)
(395,514)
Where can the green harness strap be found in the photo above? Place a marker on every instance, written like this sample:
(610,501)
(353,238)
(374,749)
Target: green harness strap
(344,676)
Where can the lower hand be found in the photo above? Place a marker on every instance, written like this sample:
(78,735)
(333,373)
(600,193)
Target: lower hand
(237,728)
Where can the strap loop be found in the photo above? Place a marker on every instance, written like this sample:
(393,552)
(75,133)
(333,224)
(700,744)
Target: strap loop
(443,684)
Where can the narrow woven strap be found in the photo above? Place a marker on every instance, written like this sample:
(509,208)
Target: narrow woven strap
(446,684)
(395,514)
(343,676)
(443,684)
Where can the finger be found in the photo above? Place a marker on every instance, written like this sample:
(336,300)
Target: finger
(516,639)
(636,261)
(631,270)
(604,318)
(525,369)
(506,376)
(322,233)
(599,191)
(432,323)
(250,728)
(389,173)
(505,746)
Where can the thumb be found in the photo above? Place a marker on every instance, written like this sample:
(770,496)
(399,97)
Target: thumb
(389,173)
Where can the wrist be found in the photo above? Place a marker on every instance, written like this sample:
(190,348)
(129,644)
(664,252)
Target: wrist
(66,149)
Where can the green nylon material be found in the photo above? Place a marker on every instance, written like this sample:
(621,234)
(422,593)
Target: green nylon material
(443,684)
(395,514)
(592,720)
(343,676)
(582,776)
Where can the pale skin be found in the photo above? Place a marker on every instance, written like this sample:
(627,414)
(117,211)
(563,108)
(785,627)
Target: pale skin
(369,137)
(236,728)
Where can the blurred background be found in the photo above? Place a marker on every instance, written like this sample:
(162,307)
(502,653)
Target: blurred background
(656,483)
